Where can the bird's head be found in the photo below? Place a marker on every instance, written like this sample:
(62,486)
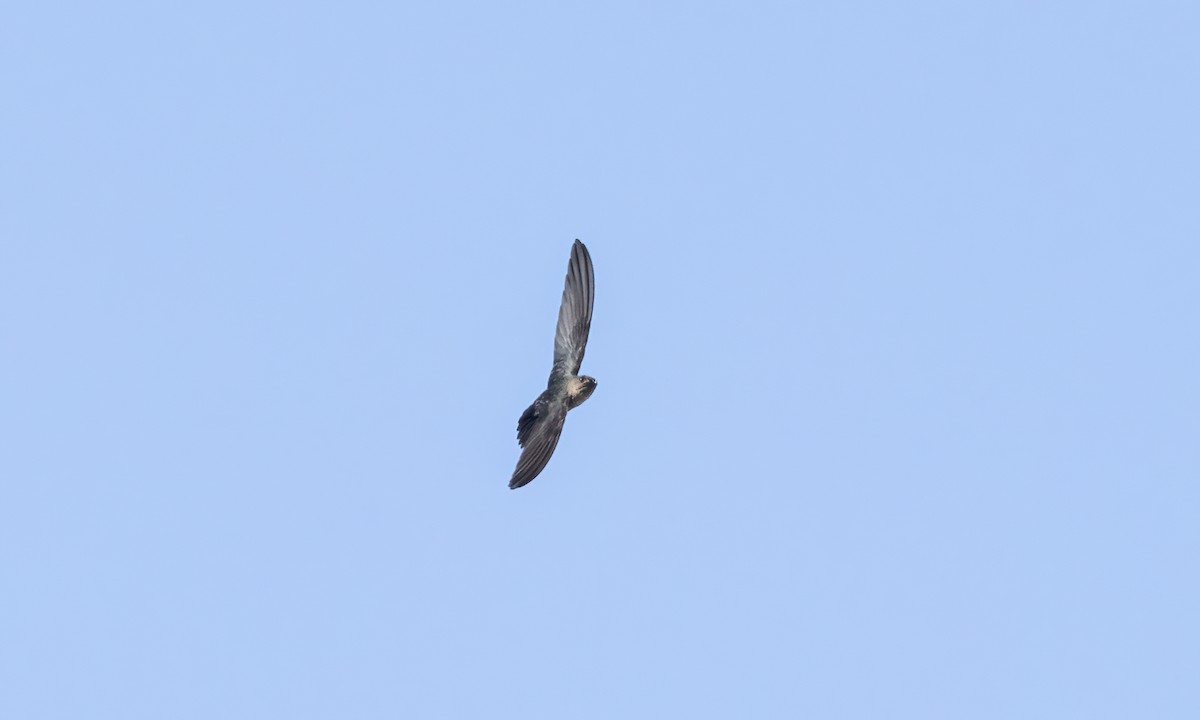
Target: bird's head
(581,389)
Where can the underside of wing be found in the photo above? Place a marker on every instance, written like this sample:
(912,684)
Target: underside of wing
(538,431)
(575,313)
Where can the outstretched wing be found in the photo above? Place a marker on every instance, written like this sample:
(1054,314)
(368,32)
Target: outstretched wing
(575,313)
(537,431)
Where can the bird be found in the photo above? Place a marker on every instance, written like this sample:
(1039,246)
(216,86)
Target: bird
(541,424)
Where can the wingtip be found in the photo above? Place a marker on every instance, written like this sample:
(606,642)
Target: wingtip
(580,250)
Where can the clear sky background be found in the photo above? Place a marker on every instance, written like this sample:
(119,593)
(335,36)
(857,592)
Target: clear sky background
(895,331)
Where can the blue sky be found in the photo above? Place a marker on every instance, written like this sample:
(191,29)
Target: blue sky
(895,333)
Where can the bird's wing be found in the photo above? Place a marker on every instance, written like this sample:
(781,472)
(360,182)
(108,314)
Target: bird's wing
(575,313)
(537,431)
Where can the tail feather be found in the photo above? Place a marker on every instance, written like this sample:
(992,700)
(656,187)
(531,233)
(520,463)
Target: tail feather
(527,422)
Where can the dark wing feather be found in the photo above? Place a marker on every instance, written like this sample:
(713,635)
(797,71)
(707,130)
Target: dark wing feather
(575,313)
(537,431)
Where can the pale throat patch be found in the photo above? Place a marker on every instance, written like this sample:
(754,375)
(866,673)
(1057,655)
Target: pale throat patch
(575,386)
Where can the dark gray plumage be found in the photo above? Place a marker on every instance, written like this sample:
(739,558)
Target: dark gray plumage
(541,424)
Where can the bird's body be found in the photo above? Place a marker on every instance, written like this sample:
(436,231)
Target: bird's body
(540,426)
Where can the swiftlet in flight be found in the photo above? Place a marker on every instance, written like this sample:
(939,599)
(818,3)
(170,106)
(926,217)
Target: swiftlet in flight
(542,422)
